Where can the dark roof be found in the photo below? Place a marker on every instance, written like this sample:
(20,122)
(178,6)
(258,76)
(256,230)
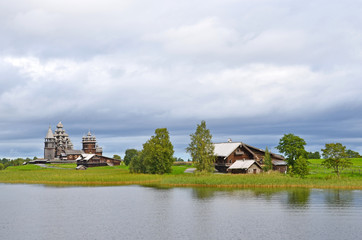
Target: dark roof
(71,151)
(279,163)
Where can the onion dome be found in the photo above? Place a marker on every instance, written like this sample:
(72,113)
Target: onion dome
(60,125)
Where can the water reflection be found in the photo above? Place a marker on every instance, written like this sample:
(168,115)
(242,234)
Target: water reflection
(298,198)
(203,193)
(134,212)
(340,198)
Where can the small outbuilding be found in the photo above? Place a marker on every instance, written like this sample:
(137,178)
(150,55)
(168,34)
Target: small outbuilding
(245,166)
(280,166)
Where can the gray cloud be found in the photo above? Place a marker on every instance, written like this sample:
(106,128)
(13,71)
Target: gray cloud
(253,70)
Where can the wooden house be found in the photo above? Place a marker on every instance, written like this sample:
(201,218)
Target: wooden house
(229,152)
(93,160)
(245,166)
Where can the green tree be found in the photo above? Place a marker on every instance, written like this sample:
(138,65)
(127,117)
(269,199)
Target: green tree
(2,166)
(157,153)
(115,156)
(292,147)
(352,154)
(268,164)
(202,149)
(313,155)
(129,155)
(179,160)
(335,157)
(18,162)
(301,167)
(136,164)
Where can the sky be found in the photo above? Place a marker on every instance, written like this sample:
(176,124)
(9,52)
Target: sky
(254,70)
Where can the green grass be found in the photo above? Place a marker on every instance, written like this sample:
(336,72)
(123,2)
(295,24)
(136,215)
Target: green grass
(319,171)
(119,175)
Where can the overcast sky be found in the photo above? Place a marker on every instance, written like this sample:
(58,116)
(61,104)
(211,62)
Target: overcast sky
(252,69)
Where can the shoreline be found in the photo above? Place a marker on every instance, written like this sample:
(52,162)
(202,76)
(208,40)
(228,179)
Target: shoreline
(157,183)
(120,176)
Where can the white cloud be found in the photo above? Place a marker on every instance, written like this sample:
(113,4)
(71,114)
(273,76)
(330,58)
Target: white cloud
(205,36)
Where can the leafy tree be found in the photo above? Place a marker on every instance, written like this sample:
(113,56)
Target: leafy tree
(5,161)
(301,167)
(157,153)
(129,155)
(136,164)
(202,149)
(335,157)
(17,162)
(314,155)
(179,160)
(115,156)
(292,147)
(2,166)
(268,164)
(352,154)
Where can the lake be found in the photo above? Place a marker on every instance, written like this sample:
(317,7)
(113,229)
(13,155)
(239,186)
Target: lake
(135,212)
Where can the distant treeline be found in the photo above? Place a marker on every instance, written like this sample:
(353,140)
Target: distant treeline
(350,154)
(5,162)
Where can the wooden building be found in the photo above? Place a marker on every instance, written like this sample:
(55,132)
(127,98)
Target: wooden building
(93,160)
(229,152)
(245,166)
(280,166)
(59,149)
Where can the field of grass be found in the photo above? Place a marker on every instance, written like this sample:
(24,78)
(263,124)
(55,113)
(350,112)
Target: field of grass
(318,170)
(119,175)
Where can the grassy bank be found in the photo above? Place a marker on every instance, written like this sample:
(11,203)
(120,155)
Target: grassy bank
(119,175)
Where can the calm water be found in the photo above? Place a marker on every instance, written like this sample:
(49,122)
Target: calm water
(134,212)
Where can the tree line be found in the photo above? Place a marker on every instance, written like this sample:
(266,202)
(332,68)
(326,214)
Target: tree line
(335,155)
(156,156)
(5,162)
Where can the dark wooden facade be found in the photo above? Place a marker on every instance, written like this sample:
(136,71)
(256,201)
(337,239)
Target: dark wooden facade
(280,166)
(96,161)
(89,147)
(243,151)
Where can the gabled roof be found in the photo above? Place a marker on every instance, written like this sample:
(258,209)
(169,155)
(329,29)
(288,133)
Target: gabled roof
(243,164)
(85,156)
(225,149)
(279,163)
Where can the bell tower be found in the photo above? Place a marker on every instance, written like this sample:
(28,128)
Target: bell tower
(89,143)
(49,145)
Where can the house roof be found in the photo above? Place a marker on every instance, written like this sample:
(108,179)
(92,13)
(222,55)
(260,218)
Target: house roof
(242,164)
(225,149)
(279,163)
(85,156)
(72,151)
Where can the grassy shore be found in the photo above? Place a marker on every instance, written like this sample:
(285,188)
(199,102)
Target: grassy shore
(119,175)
